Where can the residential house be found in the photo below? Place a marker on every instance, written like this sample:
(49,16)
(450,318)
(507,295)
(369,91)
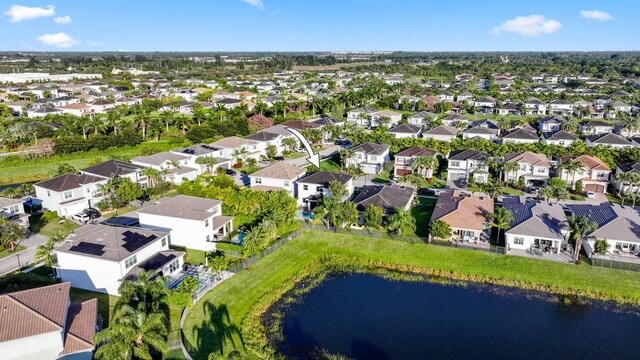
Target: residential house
(463,163)
(550,123)
(533,168)
(594,175)
(43,111)
(234,147)
(268,137)
(453,119)
(314,187)
(360,116)
(618,224)
(525,135)
(620,169)
(116,168)
(536,224)
(403,161)
(442,133)
(509,109)
(195,152)
(173,167)
(596,127)
(386,197)
(13,210)
(465,96)
(609,139)
(406,131)
(369,157)
(465,213)
(561,107)
(279,176)
(98,257)
(192,222)
(560,138)
(43,323)
(534,106)
(485,105)
(481,133)
(69,194)
(392,116)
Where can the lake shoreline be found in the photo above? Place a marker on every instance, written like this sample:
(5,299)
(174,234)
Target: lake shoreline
(264,327)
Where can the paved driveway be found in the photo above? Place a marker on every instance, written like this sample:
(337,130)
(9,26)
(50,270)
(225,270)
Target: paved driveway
(302,161)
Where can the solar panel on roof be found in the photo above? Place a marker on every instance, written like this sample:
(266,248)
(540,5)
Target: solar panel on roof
(88,248)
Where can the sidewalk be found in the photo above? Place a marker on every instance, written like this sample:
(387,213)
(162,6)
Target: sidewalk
(15,261)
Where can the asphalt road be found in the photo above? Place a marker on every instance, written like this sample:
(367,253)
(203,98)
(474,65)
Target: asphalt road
(15,261)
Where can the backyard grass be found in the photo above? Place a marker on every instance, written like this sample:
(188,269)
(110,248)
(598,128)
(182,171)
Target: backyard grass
(437,184)
(48,223)
(329,165)
(214,323)
(194,257)
(422,213)
(503,190)
(123,210)
(6,252)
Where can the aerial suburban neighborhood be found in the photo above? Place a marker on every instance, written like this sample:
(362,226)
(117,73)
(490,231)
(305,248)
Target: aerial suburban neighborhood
(179,204)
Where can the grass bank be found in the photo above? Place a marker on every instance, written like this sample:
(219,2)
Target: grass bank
(215,322)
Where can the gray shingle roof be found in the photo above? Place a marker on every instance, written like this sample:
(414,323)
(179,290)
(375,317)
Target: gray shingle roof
(608,138)
(468,154)
(183,206)
(533,217)
(385,197)
(324,177)
(372,148)
(614,221)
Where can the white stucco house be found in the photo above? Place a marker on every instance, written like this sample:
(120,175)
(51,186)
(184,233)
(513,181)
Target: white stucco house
(195,152)
(312,188)
(69,194)
(173,167)
(442,133)
(99,257)
(463,163)
(192,222)
(406,131)
(369,157)
(279,176)
(532,168)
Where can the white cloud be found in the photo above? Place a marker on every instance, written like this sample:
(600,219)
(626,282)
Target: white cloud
(59,40)
(255,3)
(20,13)
(596,15)
(62,19)
(531,25)
(95,43)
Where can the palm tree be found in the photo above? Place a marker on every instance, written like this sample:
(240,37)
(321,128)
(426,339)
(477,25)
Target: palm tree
(500,219)
(113,120)
(345,155)
(239,154)
(141,120)
(338,190)
(624,180)
(43,252)
(147,291)
(255,239)
(491,188)
(167,117)
(503,123)
(580,226)
(133,335)
(401,220)
(575,167)
(509,167)
(290,143)
(570,125)
(630,124)
(423,164)
(183,122)
(153,176)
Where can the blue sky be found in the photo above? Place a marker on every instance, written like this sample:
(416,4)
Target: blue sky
(313,25)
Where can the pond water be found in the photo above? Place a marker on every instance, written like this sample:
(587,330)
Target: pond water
(369,317)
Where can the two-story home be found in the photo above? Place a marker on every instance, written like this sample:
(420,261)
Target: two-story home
(314,187)
(173,167)
(454,119)
(465,213)
(386,197)
(561,107)
(532,168)
(376,118)
(403,161)
(594,173)
(69,194)
(525,135)
(624,168)
(534,106)
(360,116)
(480,132)
(463,163)
(266,139)
(608,139)
(117,168)
(193,222)
(13,210)
(536,224)
(99,257)
(406,131)
(369,157)
(195,152)
(550,123)
(279,176)
(234,147)
(485,105)
(422,118)
(560,138)
(43,323)
(596,127)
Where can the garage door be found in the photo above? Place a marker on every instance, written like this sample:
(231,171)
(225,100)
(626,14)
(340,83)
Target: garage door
(595,188)
(402,172)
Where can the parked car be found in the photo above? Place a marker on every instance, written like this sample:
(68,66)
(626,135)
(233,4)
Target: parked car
(231,172)
(278,158)
(463,183)
(93,213)
(590,194)
(81,217)
(426,191)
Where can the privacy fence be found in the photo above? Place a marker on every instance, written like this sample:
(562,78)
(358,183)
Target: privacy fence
(613,264)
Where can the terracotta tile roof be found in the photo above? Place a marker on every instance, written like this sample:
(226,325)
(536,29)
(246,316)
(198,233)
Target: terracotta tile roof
(590,162)
(32,312)
(81,326)
(462,211)
(527,157)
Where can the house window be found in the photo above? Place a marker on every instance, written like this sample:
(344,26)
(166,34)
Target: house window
(88,190)
(455,163)
(215,211)
(174,266)
(601,173)
(518,241)
(129,262)
(206,223)
(374,158)
(164,241)
(68,194)
(286,183)
(305,187)
(258,180)
(48,193)
(540,170)
(13,210)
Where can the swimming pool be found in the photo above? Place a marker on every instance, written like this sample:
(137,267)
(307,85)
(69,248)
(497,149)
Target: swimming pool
(201,281)
(241,236)
(305,215)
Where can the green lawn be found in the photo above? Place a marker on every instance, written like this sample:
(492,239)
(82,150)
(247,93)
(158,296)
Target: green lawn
(422,213)
(437,184)
(121,211)
(7,252)
(503,190)
(195,257)
(48,223)
(208,329)
(329,165)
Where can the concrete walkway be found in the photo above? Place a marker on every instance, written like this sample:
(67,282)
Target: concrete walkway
(15,261)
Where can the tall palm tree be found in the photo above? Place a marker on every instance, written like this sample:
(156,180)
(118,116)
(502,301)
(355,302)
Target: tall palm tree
(153,176)
(401,221)
(147,291)
(509,167)
(113,120)
(135,334)
(345,155)
(580,226)
(500,219)
(43,252)
(255,239)
(630,124)
(97,124)
(240,154)
(576,167)
(167,117)
(491,187)
(423,164)
(141,121)
(570,125)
